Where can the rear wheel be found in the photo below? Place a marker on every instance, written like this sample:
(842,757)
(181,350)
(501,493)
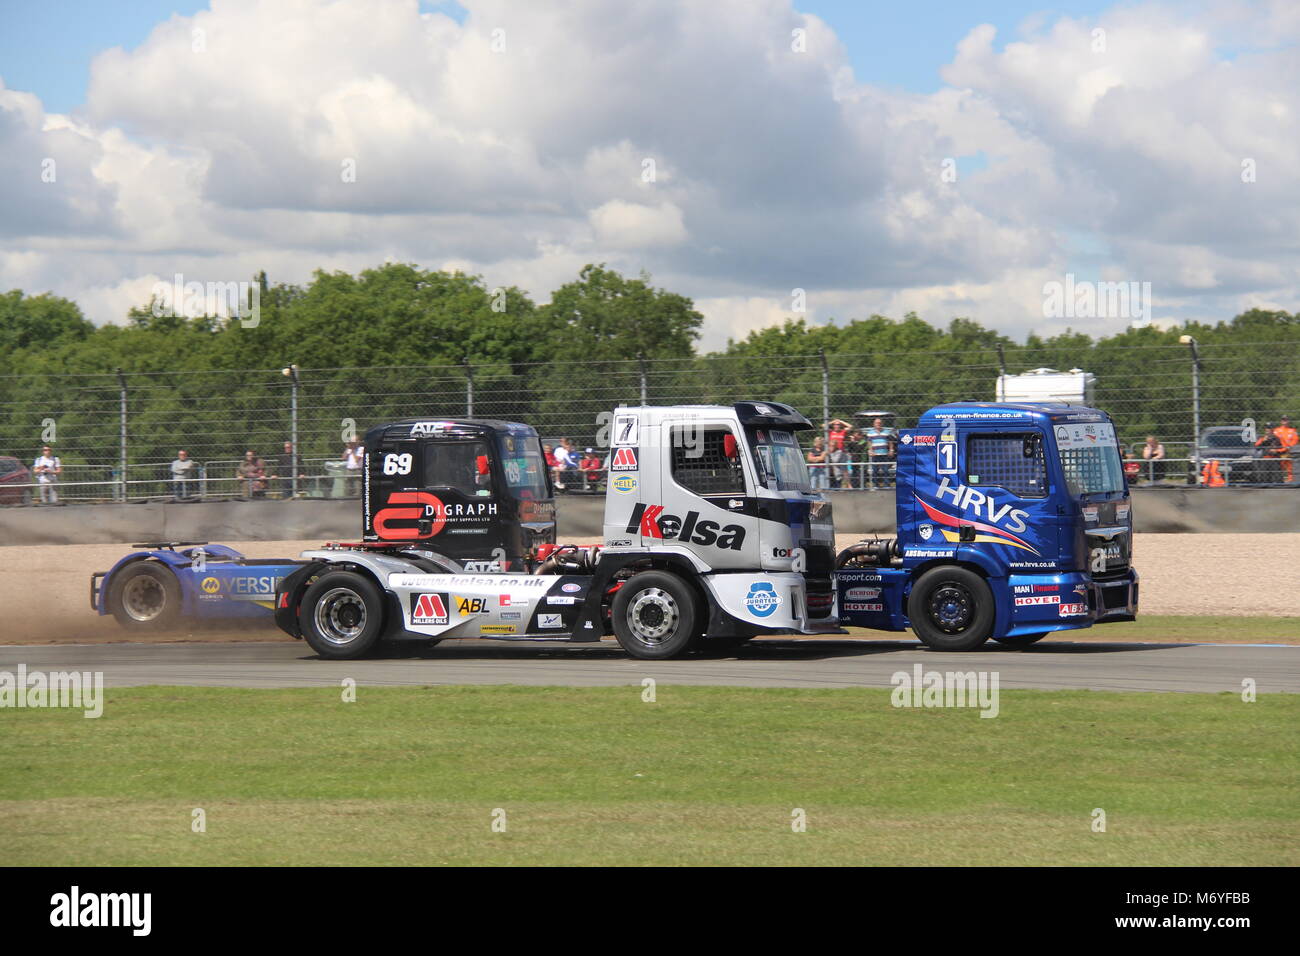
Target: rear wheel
(654,615)
(342,615)
(1021,640)
(951,609)
(145,597)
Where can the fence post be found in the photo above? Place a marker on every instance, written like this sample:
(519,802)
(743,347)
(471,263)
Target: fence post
(121,381)
(469,387)
(295,459)
(826,400)
(640,357)
(1196,404)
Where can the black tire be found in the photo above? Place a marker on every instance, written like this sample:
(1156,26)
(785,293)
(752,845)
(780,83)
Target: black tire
(144,597)
(654,616)
(342,615)
(1022,640)
(951,609)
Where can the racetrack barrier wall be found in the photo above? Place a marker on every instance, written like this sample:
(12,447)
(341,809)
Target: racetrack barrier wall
(1190,510)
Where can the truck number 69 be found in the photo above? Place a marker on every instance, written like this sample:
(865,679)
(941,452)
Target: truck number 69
(395,464)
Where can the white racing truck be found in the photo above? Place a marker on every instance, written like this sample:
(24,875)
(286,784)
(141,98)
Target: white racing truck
(711,534)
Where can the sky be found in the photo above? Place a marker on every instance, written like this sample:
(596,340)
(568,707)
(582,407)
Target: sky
(818,159)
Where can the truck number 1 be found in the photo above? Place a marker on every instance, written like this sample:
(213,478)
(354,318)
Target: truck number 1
(947,452)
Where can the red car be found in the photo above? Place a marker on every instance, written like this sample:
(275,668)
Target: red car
(14,474)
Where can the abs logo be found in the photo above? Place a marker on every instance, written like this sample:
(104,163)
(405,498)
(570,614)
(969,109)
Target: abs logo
(428,608)
(624,460)
(762,599)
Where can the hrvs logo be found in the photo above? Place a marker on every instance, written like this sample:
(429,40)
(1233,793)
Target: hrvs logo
(968,501)
(651,522)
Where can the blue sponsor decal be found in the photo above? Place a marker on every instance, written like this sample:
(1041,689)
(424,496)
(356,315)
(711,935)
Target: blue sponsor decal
(762,599)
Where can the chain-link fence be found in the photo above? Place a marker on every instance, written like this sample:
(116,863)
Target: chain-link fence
(116,435)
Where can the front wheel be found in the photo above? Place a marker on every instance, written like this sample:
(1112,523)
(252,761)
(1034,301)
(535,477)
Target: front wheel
(1021,640)
(654,616)
(342,615)
(951,609)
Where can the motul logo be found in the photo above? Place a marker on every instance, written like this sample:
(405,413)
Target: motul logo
(428,608)
(649,521)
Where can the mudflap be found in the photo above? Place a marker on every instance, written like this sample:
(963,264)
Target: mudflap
(289,595)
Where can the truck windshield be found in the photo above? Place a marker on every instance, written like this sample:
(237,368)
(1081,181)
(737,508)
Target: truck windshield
(778,452)
(1090,458)
(521,459)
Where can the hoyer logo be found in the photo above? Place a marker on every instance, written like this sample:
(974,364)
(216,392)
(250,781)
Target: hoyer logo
(426,506)
(650,521)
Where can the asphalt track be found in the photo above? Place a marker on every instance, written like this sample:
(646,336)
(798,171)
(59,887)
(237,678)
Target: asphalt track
(1210,668)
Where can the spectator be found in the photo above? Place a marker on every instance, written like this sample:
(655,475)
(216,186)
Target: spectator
(817,463)
(47,469)
(253,472)
(287,467)
(880,452)
(182,473)
(1132,467)
(591,466)
(1154,453)
(553,463)
(354,456)
(1288,438)
(838,456)
(856,446)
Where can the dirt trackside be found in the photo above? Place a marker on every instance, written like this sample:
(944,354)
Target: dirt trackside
(44,590)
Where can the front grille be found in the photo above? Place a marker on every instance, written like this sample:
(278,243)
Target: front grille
(1116,550)
(820,595)
(1113,598)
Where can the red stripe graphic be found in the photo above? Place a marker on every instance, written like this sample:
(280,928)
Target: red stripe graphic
(954,521)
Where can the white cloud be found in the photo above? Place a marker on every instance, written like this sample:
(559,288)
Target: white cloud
(524,154)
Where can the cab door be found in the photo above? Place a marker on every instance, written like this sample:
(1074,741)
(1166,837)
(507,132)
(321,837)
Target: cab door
(708,493)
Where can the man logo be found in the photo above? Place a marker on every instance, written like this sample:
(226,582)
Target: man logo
(428,608)
(210,585)
(624,460)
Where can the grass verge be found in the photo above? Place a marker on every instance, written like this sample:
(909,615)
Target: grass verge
(597,776)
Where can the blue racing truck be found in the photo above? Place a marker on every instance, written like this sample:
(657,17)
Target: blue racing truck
(1014,522)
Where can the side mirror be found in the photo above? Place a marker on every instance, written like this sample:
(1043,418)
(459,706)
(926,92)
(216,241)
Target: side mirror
(482,464)
(729,445)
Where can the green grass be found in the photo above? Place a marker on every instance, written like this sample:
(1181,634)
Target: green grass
(596,776)
(1170,628)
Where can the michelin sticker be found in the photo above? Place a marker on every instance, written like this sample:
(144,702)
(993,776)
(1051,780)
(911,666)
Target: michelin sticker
(762,599)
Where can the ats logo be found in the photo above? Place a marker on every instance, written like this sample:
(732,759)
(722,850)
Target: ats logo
(429,608)
(650,521)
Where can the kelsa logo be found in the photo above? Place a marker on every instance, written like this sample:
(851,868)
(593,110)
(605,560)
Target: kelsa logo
(968,499)
(762,599)
(624,484)
(651,522)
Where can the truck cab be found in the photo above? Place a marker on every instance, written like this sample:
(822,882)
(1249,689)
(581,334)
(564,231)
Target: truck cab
(1014,521)
(724,487)
(476,491)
